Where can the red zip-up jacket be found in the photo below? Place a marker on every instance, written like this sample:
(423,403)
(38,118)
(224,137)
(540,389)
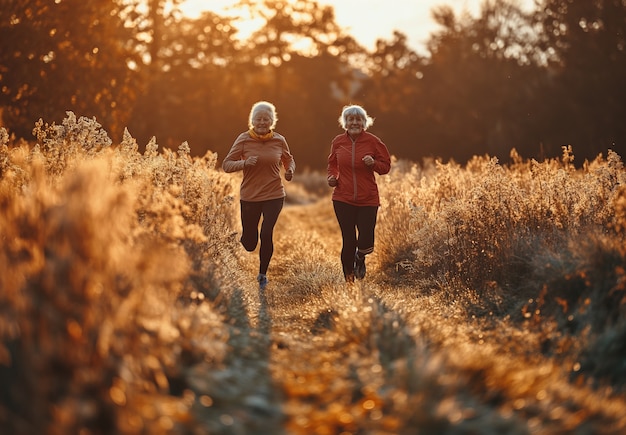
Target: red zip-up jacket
(356,182)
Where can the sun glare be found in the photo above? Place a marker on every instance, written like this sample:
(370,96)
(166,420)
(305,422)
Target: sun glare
(245,24)
(194,8)
(366,24)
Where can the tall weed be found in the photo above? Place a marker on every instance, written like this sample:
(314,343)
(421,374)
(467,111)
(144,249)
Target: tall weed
(539,242)
(100,249)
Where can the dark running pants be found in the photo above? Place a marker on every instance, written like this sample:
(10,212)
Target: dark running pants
(251,213)
(357,225)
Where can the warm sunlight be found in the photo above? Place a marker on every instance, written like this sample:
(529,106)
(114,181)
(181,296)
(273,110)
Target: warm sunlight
(246,25)
(201,234)
(194,8)
(492,304)
(366,21)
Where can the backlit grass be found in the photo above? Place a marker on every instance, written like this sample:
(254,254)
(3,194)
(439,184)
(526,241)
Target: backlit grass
(494,301)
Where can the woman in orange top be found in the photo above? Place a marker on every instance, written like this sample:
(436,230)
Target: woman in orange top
(259,153)
(354,157)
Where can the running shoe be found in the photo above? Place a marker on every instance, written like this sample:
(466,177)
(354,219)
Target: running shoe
(359,265)
(262,279)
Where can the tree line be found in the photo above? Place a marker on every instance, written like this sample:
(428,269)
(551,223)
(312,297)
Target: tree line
(506,78)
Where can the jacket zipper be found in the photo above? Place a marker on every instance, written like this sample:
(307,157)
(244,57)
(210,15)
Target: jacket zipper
(354,168)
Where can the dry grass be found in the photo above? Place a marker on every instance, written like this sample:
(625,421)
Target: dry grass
(494,302)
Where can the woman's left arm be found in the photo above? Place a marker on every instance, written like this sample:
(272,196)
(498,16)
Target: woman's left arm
(382,159)
(287,159)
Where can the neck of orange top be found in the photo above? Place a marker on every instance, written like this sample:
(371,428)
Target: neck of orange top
(262,137)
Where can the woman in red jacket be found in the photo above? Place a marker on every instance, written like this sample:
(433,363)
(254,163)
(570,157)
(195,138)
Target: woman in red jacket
(260,152)
(354,157)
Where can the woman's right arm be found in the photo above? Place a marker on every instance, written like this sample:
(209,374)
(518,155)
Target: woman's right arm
(332,171)
(233,161)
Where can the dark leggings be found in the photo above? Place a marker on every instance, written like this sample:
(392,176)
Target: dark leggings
(352,218)
(250,216)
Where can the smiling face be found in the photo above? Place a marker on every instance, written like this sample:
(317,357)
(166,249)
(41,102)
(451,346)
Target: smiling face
(262,122)
(355,125)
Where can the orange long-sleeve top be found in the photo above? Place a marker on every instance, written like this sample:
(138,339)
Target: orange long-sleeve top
(356,182)
(262,181)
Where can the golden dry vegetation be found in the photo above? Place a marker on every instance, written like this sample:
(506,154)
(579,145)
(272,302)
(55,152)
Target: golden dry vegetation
(493,304)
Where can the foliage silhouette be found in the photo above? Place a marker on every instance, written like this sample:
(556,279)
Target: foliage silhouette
(507,78)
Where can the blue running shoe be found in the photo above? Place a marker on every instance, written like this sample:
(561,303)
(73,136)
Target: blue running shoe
(359,265)
(262,279)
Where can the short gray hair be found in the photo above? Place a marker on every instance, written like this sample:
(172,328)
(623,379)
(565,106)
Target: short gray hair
(355,109)
(263,106)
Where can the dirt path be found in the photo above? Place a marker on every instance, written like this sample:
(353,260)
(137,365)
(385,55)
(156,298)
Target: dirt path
(307,244)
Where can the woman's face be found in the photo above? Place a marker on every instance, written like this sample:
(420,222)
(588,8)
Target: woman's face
(261,122)
(354,125)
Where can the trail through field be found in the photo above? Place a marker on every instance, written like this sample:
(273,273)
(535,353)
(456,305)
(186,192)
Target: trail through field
(384,358)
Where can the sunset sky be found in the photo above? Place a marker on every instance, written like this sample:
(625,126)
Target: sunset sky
(368,20)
